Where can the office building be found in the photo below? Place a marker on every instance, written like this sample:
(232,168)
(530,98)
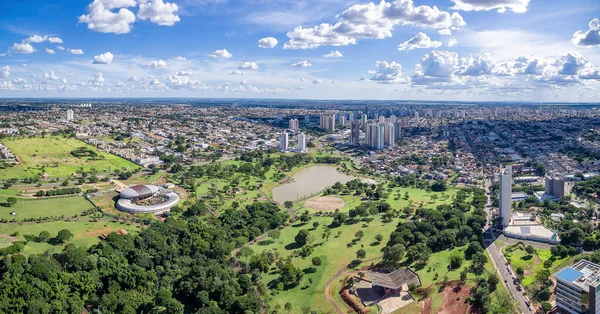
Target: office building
(578,288)
(555,186)
(354,132)
(283,142)
(294,125)
(505,195)
(301,142)
(70,115)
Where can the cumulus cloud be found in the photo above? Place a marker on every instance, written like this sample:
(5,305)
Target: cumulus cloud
(302,64)
(236,72)
(98,80)
(388,73)
(591,37)
(75,51)
(101,18)
(60,47)
(333,54)
(317,81)
(267,42)
(50,51)
(36,39)
(158,12)
(157,64)
(517,6)
(104,58)
(5,73)
(371,21)
(248,65)
(420,41)
(222,53)
(180,58)
(452,42)
(184,73)
(445,32)
(22,48)
(50,76)
(55,40)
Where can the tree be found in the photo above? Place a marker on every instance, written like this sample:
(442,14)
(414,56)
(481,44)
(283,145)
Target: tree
(359,234)
(326,233)
(288,307)
(305,217)
(379,238)
(44,236)
(456,259)
(519,271)
(361,253)
(493,281)
(302,237)
(463,275)
(393,255)
(11,201)
(315,224)
(546,307)
(529,249)
(64,235)
(288,204)
(542,275)
(316,261)
(547,263)
(290,274)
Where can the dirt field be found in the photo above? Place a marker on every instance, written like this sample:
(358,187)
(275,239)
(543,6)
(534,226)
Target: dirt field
(451,304)
(325,203)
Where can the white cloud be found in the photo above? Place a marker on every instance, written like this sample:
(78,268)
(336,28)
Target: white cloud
(317,81)
(591,37)
(75,51)
(64,81)
(517,6)
(267,42)
(60,47)
(101,18)
(5,73)
(22,48)
(420,41)
(248,65)
(445,32)
(302,64)
(371,21)
(236,72)
(333,54)
(50,51)
(55,40)
(36,39)
(157,64)
(158,12)
(452,42)
(104,58)
(184,73)
(222,53)
(180,58)
(388,73)
(98,80)
(50,76)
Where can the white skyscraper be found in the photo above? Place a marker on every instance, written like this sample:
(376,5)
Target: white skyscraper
(389,134)
(283,142)
(69,115)
(301,142)
(379,136)
(505,194)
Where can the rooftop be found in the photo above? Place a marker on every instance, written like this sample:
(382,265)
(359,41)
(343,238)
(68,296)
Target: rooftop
(395,279)
(582,274)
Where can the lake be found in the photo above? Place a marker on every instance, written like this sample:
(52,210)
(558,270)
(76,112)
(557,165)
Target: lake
(308,181)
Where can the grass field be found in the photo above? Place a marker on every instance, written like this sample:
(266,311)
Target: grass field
(54,153)
(53,207)
(531,264)
(85,233)
(416,196)
(335,254)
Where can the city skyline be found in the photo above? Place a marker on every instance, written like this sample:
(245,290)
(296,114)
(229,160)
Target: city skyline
(392,50)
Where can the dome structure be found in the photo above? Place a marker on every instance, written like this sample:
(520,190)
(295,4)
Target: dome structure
(139,191)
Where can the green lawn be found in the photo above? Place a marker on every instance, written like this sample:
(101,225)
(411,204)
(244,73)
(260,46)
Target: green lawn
(85,233)
(531,264)
(53,207)
(397,200)
(9,192)
(335,254)
(54,153)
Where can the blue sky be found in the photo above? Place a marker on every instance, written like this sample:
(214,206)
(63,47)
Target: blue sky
(531,50)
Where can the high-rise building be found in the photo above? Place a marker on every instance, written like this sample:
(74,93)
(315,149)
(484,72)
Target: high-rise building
(327,123)
(388,136)
(393,118)
(306,119)
(301,142)
(578,288)
(70,115)
(417,118)
(354,132)
(505,194)
(294,125)
(555,186)
(380,136)
(397,130)
(283,142)
(342,120)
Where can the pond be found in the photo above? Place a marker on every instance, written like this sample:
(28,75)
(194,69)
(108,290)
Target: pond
(308,181)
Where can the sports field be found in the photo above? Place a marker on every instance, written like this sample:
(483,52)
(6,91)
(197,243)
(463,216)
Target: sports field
(54,154)
(51,207)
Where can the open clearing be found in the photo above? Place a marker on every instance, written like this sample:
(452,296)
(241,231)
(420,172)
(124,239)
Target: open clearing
(50,207)
(54,154)
(325,203)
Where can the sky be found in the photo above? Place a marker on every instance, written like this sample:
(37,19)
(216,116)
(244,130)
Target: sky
(487,50)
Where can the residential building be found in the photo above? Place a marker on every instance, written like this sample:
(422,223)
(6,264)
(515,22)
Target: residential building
(294,125)
(70,115)
(283,142)
(505,195)
(327,123)
(301,142)
(578,288)
(354,132)
(389,135)
(555,186)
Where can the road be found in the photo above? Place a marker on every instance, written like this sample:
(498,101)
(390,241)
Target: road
(500,263)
